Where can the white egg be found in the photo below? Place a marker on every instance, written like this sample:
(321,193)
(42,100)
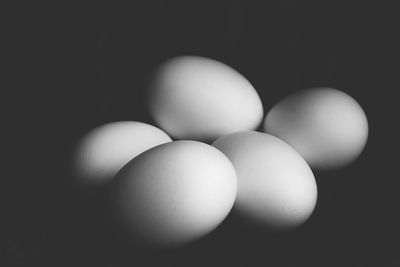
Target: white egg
(201,99)
(326,126)
(104,150)
(174,193)
(276,187)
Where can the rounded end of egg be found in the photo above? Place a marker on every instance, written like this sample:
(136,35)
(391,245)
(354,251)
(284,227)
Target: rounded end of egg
(103,151)
(276,187)
(326,126)
(173,194)
(202,99)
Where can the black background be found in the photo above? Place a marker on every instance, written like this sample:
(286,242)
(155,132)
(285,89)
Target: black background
(73,67)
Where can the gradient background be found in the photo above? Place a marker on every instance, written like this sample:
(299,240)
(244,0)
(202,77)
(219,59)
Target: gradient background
(73,67)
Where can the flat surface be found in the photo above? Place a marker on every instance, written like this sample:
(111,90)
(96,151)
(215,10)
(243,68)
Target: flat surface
(73,67)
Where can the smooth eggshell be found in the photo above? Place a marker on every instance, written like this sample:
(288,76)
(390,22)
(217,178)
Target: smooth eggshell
(104,150)
(199,98)
(276,187)
(326,126)
(173,194)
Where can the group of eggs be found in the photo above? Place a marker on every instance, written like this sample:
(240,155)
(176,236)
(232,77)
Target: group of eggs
(167,193)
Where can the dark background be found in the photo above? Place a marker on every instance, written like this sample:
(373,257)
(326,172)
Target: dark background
(72,67)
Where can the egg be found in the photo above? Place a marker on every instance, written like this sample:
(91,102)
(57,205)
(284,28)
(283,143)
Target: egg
(198,98)
(276,187)
(326,126)
(173,194)
(103,151)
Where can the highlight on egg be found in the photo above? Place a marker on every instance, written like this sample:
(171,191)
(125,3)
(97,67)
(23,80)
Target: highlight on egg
(103,151)
(276,187)
(173,194)
(326,126)
(199,98)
